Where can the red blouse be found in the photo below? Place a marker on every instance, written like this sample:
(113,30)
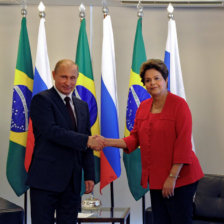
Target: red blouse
(164,139)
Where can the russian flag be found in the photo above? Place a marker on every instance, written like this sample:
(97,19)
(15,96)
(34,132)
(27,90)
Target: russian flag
(42,81)
(172,61)
(110,167)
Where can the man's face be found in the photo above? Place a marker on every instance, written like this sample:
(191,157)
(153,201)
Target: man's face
(65,78)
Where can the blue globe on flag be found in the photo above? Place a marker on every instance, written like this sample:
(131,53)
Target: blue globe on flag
(88,97)
(136,95)
(20,108)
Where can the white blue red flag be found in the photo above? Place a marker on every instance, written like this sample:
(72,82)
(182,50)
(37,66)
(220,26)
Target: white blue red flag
(110,168)
(172,61)
(42,75)
(42,81)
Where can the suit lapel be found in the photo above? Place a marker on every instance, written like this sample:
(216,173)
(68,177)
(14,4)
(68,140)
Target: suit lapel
(79,113)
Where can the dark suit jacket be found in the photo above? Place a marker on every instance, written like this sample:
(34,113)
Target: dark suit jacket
(60,153)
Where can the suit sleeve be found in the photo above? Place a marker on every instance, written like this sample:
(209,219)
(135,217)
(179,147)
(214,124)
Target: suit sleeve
(88,158)
(43,116)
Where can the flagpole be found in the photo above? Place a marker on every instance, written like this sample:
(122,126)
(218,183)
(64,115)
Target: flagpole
(170,10)
(24,13)
(41,9)
(25,208)
(112,194)
(143,209)
(140,15)
(105,13)
(82,14)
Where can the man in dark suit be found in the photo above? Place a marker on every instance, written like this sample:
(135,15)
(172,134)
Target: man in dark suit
(63,144)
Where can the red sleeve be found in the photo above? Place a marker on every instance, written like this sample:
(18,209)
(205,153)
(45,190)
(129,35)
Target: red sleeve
(183,146)
(132,140)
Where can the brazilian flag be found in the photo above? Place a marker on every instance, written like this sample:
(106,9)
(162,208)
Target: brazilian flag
(22,94)
(85,87)
(137,93)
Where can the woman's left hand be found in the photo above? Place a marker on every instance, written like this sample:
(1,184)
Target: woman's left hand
(168,187)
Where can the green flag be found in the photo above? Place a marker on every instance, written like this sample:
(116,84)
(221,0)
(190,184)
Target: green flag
(22,93)
(85,87)
(137,93)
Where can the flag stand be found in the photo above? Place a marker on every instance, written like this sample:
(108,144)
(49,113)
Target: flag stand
(25,207)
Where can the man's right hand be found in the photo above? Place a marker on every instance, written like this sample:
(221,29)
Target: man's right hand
(96,142)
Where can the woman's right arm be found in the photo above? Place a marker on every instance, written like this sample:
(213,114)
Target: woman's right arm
(118,143)
(129,143)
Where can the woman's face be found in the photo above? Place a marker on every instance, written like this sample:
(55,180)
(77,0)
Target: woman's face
(155,83)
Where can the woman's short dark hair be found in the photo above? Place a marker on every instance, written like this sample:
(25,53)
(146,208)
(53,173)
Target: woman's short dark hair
(156,64)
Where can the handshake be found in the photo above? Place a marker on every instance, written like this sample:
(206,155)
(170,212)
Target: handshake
(96,142)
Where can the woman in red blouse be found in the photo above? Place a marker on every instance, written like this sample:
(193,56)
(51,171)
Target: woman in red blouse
(163,129)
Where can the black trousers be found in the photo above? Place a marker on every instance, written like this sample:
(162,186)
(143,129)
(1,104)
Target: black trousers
(175,210)
(45,203)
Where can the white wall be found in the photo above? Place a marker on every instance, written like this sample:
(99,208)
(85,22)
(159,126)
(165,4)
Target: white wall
(201,45)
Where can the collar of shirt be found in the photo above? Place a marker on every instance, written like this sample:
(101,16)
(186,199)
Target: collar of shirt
(63,96)
(71,101)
